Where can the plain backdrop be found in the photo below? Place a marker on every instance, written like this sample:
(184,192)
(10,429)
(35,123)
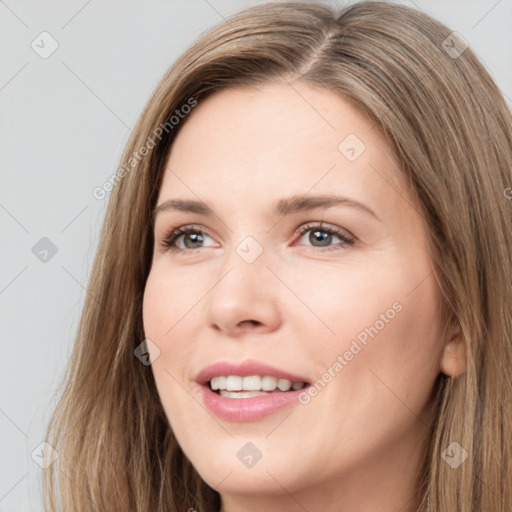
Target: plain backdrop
(63,125)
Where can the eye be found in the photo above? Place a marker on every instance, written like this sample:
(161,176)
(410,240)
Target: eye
(191,236)
(323,236)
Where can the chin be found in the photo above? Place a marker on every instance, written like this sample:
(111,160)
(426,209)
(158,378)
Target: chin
(240,466)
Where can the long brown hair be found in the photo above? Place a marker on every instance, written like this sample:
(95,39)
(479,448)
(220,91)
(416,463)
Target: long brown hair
(451,130)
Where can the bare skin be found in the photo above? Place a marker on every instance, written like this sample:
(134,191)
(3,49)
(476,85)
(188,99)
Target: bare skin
(357,444)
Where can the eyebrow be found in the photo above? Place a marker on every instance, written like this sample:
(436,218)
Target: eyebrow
(282,207)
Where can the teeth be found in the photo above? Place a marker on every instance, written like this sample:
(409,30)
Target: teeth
(234,383)
(284,384)
(252,383)
(268,383)
(241,394)
(218,383)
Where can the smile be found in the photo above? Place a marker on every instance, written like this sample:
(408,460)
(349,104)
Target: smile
(249,391)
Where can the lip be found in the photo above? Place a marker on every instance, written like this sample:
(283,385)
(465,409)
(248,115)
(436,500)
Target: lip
(246,409)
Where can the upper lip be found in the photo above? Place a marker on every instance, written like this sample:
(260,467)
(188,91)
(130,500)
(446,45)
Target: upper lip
(244,369)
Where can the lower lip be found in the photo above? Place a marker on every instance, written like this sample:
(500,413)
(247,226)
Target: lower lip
(247,409)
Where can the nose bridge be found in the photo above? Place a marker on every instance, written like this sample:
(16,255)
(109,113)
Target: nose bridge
(243,292)
(243,268)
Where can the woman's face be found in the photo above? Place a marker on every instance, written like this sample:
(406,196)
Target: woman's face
(350,307)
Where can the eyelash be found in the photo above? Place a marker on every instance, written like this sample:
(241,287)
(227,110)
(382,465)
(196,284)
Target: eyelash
(168,243)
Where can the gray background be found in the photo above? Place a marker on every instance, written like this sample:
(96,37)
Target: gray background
(64,121)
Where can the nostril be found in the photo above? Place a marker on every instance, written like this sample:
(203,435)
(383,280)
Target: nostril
(252,322)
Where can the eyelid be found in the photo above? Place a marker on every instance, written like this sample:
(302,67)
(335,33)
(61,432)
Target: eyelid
(172,234)
(322,226)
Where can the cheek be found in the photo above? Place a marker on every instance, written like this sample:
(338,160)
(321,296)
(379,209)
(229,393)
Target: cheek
(385,329)
(159,312)
(172,311)
(168,302)
(151,314)
(376,373)
(165,322)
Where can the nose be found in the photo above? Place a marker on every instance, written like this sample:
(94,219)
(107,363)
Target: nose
(245,298)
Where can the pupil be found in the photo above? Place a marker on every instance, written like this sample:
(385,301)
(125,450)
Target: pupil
(196,238)
(321,236)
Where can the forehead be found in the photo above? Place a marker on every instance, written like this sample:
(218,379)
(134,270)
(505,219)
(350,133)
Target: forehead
(279,140)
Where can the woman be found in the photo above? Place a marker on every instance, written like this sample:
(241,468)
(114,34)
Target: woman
(301,298)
